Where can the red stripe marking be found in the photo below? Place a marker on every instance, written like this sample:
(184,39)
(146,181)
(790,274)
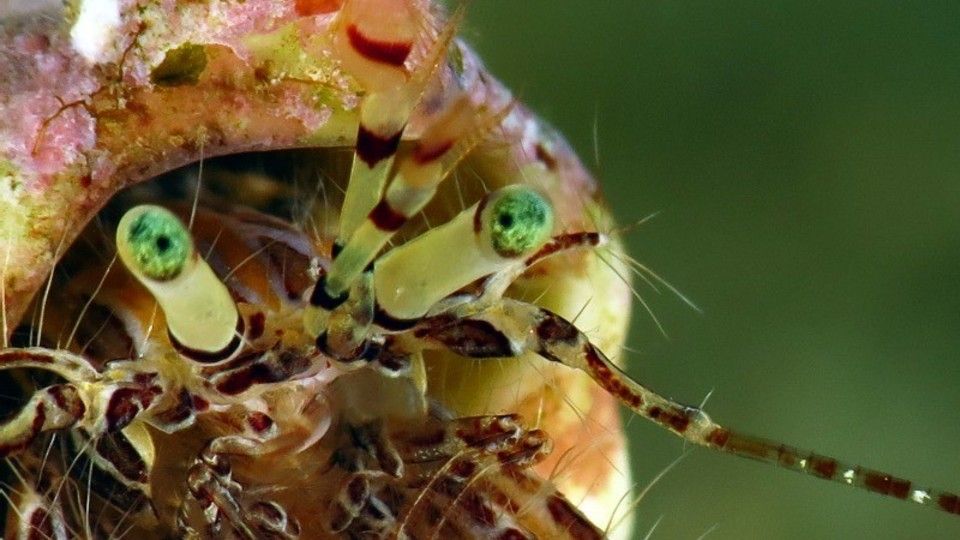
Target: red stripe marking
(719,437)
(823,467)
(393,53)
(564,242)
(567,518)
(306,8)
(949,502)
(372,147)
(258,322)
(385,218)
(41,525)
(887,485)
(259,421)
(426,154)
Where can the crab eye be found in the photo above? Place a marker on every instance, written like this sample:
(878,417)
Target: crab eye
(158,246)
(202,318)
(519,221)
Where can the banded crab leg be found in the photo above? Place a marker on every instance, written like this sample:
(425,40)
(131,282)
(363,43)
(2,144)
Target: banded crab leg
(511,328)
(85,400)
(219,501)
(55,407)
(52,408)
(38,518)
(502,236)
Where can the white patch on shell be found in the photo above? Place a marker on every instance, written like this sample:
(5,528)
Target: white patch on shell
(96,28)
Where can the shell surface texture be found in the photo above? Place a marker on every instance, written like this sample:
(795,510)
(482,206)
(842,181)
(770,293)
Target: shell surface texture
(305,269)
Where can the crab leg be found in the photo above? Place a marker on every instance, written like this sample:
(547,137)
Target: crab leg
(221,500)
(51,408)
(38,519)
(512,328)
(71,367)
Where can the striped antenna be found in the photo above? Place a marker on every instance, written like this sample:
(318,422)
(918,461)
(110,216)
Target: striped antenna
(457,130)
(375,39)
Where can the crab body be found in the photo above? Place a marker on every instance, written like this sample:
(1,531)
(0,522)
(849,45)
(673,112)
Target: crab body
(240,438)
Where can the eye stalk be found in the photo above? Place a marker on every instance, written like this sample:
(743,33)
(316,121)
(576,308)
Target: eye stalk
(492,236)
(157,249)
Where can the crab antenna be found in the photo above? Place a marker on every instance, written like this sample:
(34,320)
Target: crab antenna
(448,139)
(500,231)
(375,39)
(202,319)
(560,341)
(416,183)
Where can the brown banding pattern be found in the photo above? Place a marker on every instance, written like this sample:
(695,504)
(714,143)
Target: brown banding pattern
(678,421)
(126,403)
(472,338)
(116,448)
(372,148)
(886,485)
(570,519)
(207,357)
(823,467)
(21,442)
(259,421)
(949,502)
(426,154)
(555,329)
(564,242)
(41,525)
(258,322)
(607,379)
(385,218)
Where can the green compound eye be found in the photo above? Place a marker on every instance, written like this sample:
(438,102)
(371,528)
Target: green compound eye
(520,220)
(158,244)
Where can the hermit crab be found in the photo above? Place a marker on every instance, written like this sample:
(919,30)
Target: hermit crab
(404,335)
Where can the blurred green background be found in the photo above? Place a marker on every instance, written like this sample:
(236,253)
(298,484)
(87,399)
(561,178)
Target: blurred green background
(805,160)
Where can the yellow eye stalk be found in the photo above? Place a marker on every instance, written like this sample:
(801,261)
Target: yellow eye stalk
(158,250)
(485,239)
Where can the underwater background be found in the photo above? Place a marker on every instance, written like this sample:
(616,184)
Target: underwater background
(804,159)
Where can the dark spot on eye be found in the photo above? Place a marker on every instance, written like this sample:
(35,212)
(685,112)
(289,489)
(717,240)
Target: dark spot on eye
(163,244)
(505,220)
